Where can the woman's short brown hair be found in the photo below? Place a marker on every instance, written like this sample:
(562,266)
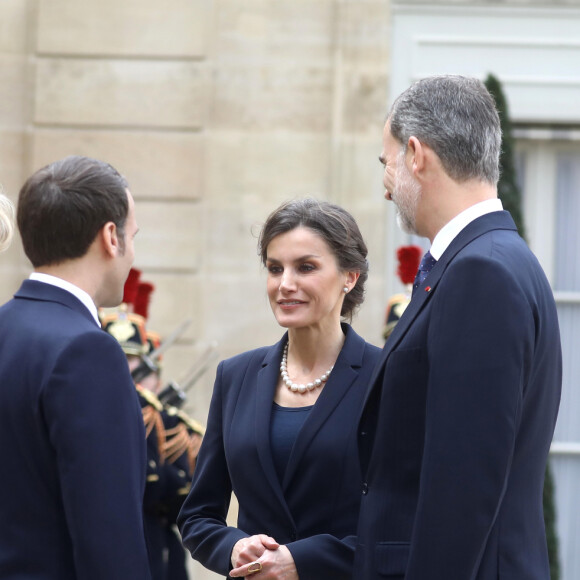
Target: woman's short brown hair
(336,227)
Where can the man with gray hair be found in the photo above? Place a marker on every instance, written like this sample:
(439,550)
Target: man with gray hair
(461,409)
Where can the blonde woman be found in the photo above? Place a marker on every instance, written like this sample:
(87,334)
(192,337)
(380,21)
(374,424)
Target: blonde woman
(6,221)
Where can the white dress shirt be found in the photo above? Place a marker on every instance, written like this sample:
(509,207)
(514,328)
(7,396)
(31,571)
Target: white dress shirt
(74,290)
(450,230)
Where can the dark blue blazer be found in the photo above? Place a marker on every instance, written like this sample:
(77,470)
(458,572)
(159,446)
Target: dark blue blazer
(314,510)
(73,445)
(459,418)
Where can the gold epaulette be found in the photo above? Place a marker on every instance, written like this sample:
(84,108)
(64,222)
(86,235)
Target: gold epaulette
(150,397)
(152,417)
(182,415)
(179,440)
(191,423)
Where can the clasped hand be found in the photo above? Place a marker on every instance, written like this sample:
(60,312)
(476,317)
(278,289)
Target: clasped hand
(276,560)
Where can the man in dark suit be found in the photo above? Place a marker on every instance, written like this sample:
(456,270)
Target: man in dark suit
(71,431)
(461,408)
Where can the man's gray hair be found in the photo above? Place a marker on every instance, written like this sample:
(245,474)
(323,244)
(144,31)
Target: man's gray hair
(457,118)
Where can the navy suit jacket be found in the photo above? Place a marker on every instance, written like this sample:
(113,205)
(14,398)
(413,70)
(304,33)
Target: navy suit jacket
(314,510)
(73,445)
(459,419)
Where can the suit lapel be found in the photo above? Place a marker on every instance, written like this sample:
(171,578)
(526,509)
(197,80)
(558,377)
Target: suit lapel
(482,225)
(344,374)
(267,381)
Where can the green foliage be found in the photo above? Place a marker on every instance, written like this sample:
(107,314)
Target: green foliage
(507,187)
(511,198)
(550,520)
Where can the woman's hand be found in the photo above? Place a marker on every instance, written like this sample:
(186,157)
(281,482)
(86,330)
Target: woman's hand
(250,549)
(273,564)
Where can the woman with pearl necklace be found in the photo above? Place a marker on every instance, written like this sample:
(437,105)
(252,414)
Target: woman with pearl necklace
(282,426)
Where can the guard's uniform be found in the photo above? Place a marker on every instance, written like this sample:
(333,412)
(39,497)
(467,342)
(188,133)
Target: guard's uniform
(409,258)
(183,439)
(129,330)
(173,439)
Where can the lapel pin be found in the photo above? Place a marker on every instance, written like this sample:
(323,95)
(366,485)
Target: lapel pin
(428,289)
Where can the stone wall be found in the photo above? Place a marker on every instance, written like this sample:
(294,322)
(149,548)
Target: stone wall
(15,103)
(215,112)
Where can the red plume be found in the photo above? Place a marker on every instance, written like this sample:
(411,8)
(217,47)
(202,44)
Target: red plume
(131,284)
(409,259)
(143,298)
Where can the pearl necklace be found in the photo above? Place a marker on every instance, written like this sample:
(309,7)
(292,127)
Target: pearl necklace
(295,388)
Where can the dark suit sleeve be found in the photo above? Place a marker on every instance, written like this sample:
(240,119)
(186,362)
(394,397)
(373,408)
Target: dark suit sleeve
(481,334)
(202,519)
(323,556)
(95,426)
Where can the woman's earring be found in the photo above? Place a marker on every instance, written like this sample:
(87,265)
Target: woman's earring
(345,289)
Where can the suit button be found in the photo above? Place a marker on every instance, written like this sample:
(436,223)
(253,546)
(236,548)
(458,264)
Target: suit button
(365,488)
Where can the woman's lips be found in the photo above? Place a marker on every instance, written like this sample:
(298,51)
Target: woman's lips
(289,303)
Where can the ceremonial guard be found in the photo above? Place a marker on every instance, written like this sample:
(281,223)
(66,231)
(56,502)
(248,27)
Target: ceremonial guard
(128,328)
(173,439)
(181,444)
(409,258)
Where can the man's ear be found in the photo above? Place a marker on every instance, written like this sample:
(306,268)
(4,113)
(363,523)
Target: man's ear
(417,152)
(110,239)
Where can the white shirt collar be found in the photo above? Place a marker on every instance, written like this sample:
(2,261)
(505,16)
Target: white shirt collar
(74,290)
(450,230)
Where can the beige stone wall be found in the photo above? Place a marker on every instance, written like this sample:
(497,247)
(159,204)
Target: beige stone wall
(15,103)
(216,112)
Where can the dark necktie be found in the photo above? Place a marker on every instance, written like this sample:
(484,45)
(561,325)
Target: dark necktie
(425,266)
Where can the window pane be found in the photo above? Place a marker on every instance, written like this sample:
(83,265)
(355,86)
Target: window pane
(520,164)
(566,473)
(567,259)
(567,278)
(568,425)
